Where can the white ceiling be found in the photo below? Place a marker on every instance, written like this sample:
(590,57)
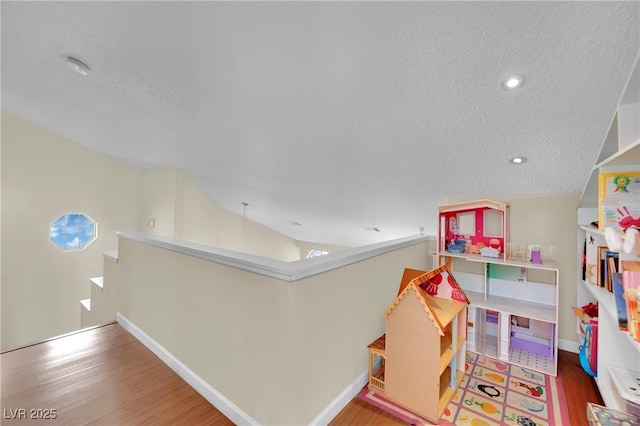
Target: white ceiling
(341,116)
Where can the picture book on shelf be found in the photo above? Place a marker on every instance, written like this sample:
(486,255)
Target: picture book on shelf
(631,284)
(621,304)
(611,267)
(602,264)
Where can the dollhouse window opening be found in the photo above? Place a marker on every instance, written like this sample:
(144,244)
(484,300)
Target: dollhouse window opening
(492,223)
(466,223)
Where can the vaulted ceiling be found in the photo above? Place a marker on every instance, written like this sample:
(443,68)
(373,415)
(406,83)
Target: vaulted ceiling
(339,116)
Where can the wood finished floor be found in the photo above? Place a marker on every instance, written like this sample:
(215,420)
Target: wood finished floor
(104,376)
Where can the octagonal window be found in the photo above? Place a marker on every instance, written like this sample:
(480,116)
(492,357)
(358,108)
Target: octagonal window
(73,231)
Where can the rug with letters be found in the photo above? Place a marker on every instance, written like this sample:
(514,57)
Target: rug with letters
(492,393)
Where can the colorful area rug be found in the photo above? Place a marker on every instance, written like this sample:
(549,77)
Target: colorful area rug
(493,393)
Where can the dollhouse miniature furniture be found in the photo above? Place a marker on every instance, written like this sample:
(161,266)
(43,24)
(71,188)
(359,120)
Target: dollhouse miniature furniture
(419,362)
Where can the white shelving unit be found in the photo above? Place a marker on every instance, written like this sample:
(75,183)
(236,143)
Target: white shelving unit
(525,290)
(620,152)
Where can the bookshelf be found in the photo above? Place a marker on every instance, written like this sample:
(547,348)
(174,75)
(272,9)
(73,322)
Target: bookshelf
(620,152)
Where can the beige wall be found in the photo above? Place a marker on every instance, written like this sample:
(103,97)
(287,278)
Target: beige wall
(280,351)
(548,220)
(159,189)
(181,210)
(43,177)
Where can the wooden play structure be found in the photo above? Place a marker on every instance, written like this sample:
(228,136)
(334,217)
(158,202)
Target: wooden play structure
(419,362)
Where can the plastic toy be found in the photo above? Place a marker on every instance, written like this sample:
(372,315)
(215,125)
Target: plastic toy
(456,246)
(489,252)
(475,248)
(619,241)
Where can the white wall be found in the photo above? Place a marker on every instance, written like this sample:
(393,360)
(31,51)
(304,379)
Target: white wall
(548,220)
(43,177)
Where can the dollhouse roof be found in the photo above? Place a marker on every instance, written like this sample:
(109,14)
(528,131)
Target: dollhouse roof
(478,204)
(427,279)
(441,310)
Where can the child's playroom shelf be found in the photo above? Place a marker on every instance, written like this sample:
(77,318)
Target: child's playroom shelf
(503,304)
(619,154)
(470,257)
(607,304)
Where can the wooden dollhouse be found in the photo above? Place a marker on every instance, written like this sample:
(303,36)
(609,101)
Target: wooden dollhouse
(419,362)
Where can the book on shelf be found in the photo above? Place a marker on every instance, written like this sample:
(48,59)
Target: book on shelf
(602,265)
(611,267)
(631,285)
(621,304)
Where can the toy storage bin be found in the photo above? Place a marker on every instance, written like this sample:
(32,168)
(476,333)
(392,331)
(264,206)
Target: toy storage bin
(597,415)
(627,389)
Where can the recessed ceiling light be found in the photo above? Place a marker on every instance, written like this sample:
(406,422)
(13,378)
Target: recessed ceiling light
(518,160)
(77,65)
(513,82)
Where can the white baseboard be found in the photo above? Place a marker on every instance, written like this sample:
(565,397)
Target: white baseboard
(226,407)
(340,401)
(232,411)
(568,345)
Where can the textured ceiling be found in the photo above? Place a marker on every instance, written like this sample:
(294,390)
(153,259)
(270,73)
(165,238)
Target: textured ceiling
(341,116)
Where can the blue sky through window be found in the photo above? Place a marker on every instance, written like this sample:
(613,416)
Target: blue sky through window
(72,231)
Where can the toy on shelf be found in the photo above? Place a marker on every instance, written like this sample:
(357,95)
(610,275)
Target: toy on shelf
(489,252)
(536,257)
(586,312)
(456,246)
(589,349)
(623,241)
(475,248)
(519,254)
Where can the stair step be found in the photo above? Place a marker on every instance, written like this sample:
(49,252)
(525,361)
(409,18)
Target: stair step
(99,281)
(111,255)
(86,303)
